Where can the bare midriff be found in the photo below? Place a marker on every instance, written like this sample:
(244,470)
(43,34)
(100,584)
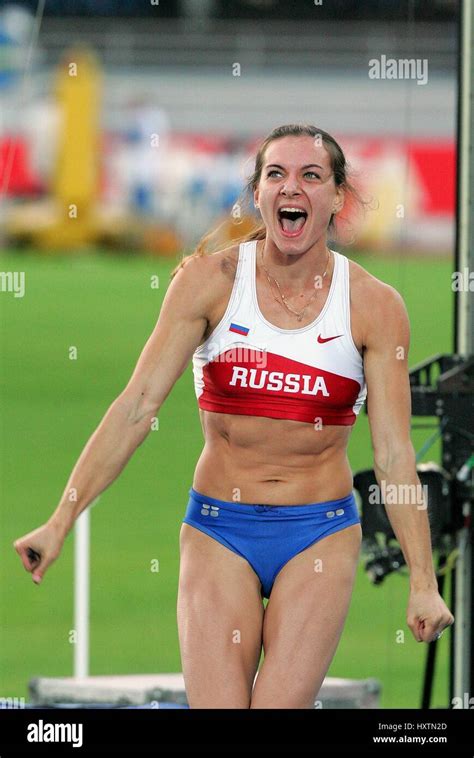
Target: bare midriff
(254,459)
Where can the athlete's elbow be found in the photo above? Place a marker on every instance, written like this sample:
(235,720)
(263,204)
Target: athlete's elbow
(392,458)
(137,406)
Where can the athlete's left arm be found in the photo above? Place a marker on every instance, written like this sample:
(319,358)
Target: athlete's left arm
(386,341)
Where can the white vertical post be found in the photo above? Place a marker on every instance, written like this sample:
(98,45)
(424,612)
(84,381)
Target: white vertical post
(81,594)
(464,602)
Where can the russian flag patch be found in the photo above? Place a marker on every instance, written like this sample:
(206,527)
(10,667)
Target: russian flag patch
(239,329)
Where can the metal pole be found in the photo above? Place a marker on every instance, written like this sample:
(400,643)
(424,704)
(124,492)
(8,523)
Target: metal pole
(462,678)
(464,313)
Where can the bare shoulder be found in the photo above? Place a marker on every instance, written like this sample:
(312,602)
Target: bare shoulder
(209,280)
(377,306)
(210,268)
(225,262)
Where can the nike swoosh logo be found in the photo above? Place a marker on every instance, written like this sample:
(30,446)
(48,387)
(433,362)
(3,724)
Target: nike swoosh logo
(321,340)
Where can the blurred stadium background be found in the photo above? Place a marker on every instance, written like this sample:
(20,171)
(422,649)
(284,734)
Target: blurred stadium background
(126,131)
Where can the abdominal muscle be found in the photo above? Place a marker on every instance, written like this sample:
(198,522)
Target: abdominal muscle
(252,459)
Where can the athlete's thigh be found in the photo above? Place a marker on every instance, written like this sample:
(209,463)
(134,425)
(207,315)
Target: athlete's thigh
(304,619)
(220,617)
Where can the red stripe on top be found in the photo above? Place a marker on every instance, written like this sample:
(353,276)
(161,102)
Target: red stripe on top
(282,388)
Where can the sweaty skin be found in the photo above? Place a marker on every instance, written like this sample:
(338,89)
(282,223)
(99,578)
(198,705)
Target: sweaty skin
(274,461)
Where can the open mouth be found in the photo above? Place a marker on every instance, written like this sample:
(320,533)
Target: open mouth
(292,221)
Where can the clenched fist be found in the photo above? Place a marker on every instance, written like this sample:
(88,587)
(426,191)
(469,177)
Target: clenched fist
(38,549)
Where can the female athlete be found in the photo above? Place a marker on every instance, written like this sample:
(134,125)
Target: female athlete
(287,338)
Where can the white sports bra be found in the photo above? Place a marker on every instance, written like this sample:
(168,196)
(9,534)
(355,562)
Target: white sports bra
(249,366)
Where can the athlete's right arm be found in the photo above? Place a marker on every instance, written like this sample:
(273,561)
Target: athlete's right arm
(179,330)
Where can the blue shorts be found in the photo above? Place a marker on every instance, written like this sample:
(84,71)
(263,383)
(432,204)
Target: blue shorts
(268,536)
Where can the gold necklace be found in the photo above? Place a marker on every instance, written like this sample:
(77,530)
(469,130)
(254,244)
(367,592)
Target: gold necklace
(300,314)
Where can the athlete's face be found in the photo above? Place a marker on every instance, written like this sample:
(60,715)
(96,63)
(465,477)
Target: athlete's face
(297,174)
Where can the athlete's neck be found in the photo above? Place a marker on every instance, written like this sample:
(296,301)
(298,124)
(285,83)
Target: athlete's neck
(294,270)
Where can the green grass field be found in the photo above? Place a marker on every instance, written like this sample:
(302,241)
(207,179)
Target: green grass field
(105,307)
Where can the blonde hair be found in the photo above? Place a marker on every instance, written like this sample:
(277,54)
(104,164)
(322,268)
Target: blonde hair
(339,168)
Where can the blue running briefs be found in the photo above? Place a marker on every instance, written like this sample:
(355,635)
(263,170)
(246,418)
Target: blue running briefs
(268,536)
